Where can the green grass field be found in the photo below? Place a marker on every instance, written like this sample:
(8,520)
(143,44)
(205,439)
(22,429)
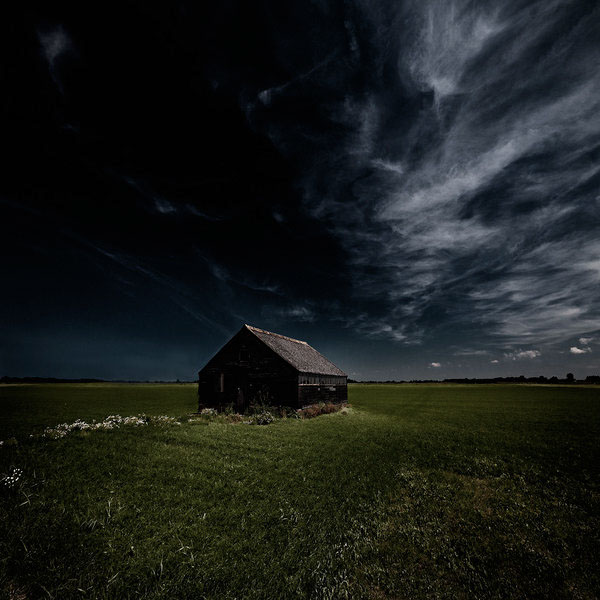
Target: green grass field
(424,491)
(31,408)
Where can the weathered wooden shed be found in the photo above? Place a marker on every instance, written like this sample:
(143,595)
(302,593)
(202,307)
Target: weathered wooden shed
(261,367)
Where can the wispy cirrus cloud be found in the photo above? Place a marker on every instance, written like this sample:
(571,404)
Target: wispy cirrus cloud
(179,293)
(466,179)
(294,312)
(55,43)
(520,354)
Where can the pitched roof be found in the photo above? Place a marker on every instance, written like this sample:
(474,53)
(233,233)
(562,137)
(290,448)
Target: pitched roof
(297,353)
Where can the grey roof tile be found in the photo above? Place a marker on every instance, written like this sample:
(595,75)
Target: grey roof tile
(299,354)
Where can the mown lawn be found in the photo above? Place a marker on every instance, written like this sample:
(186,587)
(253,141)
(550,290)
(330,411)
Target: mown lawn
(427,491)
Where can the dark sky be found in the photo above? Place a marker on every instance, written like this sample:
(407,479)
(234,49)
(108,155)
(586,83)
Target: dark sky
(411,187)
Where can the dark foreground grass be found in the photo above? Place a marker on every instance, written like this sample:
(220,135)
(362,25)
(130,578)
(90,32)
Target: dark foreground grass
(420,492)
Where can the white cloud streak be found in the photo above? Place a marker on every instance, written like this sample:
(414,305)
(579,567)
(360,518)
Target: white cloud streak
(295,312)
(521,354)
(576,350)
(55,43)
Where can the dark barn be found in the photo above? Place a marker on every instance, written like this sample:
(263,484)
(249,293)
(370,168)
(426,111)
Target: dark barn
(260,367)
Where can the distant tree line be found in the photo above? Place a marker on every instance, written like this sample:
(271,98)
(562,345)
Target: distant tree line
(522,379)
(569,379)
(6,379)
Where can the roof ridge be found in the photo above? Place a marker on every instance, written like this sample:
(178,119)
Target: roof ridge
(285,337)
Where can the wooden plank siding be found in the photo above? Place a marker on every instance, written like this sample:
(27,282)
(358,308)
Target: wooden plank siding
(311,393)
(251,369)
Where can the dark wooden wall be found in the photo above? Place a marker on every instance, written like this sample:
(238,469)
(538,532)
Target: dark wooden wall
(252,367)
(314,393)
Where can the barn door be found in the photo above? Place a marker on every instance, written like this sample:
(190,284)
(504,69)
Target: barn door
(241,402)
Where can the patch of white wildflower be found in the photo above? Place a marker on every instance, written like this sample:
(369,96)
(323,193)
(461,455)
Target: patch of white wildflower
(10,480)
(262,418)
(111,422)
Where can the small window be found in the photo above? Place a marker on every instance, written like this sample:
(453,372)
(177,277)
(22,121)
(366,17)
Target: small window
(244,355)
(220,382)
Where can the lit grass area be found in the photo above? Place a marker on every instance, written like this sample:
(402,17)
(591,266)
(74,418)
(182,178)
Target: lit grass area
(427,491)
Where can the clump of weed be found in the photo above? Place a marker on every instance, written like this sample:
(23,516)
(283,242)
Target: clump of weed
(279,412)
(322,408)
(234,418)
(264,414)
(208,412)
(262,418)
(212,415)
